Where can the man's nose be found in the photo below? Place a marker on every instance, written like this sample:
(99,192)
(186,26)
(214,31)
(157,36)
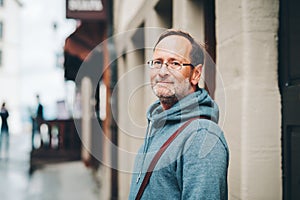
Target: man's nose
(164,69)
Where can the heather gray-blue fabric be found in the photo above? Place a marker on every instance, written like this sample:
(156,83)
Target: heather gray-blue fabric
(195,164)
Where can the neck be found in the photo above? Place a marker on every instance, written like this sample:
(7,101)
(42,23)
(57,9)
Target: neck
(167,103)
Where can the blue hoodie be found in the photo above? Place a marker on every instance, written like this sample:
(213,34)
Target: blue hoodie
(195,164)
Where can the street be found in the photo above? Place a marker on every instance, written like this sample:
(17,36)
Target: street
(71,180)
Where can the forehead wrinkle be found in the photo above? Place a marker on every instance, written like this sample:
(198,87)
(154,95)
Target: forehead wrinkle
(170,53)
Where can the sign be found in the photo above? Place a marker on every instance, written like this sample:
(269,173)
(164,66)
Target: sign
(85,5)
(87,9)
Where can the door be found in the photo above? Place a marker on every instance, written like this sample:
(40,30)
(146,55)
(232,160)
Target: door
(289,81)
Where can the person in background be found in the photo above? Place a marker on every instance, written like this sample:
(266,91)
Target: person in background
(40,111)
(37,119)
(195,164)
(4,135)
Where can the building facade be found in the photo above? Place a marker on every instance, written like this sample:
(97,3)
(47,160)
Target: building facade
(242,38)
(10,60)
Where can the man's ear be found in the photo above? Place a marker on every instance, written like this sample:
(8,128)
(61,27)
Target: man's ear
(197,71)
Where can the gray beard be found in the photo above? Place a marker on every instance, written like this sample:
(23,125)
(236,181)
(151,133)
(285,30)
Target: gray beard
(169,101)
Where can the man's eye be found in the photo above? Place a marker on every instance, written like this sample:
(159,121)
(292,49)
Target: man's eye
(175,63)
(157,62)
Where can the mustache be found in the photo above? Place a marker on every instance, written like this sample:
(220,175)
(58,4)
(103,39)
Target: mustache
(166,80)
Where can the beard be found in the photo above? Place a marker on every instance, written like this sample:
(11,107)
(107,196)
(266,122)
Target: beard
(166,95)
(164,91)
(170,93)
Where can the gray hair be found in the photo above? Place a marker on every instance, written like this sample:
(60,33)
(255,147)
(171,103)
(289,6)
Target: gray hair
(196,54)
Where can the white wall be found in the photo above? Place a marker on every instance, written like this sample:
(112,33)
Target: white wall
(247,59)
(9,71)
(124,12)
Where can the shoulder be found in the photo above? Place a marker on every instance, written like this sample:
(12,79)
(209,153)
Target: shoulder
(204,125)
(204,136)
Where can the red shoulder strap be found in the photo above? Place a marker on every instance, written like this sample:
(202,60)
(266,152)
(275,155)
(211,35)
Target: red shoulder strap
(159,153)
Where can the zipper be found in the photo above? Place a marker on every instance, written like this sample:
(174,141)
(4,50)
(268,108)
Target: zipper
(144,150)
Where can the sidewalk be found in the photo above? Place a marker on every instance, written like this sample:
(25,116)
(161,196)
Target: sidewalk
(70,180)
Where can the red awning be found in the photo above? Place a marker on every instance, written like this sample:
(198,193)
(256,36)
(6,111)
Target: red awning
(79,44)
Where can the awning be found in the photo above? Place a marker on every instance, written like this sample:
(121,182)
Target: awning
(79,44)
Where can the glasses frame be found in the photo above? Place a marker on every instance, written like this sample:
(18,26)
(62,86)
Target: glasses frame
(150,64)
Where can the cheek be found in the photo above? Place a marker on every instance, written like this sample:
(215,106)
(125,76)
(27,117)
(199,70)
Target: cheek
(152,76)
(180,76)
(187,72)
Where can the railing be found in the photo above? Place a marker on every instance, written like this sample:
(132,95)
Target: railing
(54,141)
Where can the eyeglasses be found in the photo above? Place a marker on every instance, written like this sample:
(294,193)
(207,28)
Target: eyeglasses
(175,65)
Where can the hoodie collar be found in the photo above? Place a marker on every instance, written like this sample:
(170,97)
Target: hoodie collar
(196,104)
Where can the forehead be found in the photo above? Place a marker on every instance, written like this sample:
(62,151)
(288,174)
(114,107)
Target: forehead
(174,45)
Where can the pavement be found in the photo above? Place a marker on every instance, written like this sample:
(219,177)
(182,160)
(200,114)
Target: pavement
(63,181)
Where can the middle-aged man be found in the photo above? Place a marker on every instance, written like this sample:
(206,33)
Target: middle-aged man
(195,164)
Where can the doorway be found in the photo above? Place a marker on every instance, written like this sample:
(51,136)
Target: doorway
(289,82)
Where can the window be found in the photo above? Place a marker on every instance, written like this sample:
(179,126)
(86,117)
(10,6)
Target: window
(1,29)
(165,12)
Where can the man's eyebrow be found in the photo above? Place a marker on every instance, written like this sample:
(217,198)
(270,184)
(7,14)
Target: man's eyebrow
(170,58)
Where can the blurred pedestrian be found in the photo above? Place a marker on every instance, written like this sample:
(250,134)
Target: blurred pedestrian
(4,135)
(39,111)
(37,120)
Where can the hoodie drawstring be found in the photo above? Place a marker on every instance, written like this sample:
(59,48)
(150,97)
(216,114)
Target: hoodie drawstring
(145,149)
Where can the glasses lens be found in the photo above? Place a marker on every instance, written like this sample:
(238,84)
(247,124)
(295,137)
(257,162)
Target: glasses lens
(157,64)
(154,64)
(174,65)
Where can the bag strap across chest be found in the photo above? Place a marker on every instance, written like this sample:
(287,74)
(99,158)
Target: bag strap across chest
(159,154)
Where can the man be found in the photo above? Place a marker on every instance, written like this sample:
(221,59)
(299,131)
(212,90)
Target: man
(37,120)
(39,111)
(4,134)
(195,164)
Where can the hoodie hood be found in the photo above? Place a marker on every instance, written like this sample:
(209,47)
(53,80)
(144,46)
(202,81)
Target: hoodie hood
(196,104)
